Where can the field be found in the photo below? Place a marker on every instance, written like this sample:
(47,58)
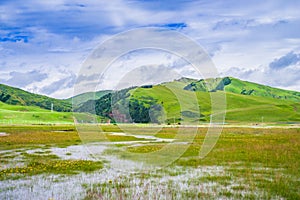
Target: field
(22,115)
(101,162)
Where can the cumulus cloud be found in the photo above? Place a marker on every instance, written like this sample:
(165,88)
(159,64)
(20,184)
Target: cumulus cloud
(144,66)
(290,58)
(57,36)
(283,72)
(61,84)
(22,79)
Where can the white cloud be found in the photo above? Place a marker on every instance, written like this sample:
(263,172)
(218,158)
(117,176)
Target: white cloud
(134,69)
(285,61)
(281,73)
(61,34)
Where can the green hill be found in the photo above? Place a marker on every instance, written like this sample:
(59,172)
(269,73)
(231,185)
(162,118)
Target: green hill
(16,96)
(21,107)
(81,98)
(246,102)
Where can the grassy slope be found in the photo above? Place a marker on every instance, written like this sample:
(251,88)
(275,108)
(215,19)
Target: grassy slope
(240,108)
(236,86)
(256,109)
(16,96)
(81,98)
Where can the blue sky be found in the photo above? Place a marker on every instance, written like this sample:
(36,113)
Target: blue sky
(44,43)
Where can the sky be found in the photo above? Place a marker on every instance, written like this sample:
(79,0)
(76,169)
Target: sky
(43,44)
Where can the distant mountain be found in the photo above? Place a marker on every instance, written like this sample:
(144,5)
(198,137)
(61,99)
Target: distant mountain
(246,102)
(16,96)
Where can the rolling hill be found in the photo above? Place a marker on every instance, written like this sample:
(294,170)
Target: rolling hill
(16,96)
(21,107)
(246,102)
(182,101)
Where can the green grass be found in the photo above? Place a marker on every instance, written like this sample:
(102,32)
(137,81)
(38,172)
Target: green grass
(18,115)
(236,86)
(37,135)
(251,109)
(81,98)
(57,135)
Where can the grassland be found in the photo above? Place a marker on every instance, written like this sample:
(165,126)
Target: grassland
(32,115)
(265,160)
(246,163)
(36,135)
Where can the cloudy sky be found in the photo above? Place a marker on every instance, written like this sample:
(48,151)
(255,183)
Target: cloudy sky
(44,43)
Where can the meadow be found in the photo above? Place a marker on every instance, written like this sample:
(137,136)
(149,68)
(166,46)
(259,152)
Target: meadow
(57,162)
